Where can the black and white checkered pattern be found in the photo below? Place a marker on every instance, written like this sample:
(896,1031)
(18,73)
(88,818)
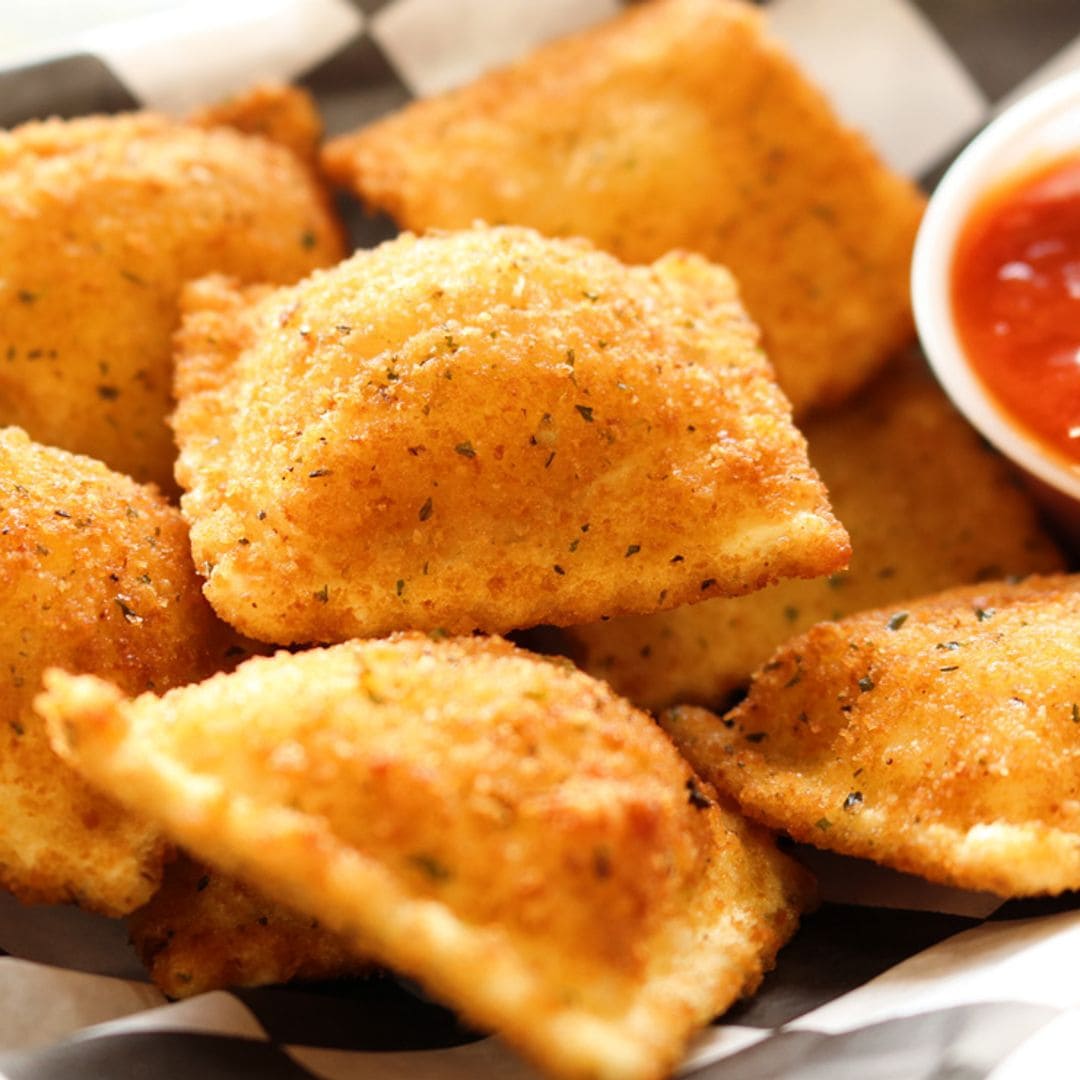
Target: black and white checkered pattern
(889,979)
(862,992)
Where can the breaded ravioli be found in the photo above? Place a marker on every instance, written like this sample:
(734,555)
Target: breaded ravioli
(501,828)
(102,219)
(941,738)
(204,931)
(927,505)
(678,124)
(284,114)
(485,430)
(96,576)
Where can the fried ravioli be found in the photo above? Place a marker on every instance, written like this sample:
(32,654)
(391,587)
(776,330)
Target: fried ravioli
(679,124)
(102,219)
(939,738)
(457,807)
(95,575)
(283,114)
(485,430)
(927,505)
(204,931)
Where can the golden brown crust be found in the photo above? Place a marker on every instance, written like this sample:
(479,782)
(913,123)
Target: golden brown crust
(939,738)
(485,429)
(456,807)
(101,221)
(927,505)
(204,931)
(285,115)
(95,575)
(678,124)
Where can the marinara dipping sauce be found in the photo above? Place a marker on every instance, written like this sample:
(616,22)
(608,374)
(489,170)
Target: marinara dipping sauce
(1016,300)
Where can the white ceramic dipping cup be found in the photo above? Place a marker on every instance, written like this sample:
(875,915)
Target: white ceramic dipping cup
(1042,127)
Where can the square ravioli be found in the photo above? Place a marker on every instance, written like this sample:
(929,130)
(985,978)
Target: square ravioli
(678,124)
(937,737)
(501,828)
(486,430)
(95,576)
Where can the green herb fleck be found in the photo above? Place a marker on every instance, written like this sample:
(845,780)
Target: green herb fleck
(1076,713)
(465,449)
(307,239)
(897,620)
(695,796)
(26,296)
(982,614)
(430,866)
(558,569)
(791,613)
(586,412)
(708,583)
(866,684)
(399,587)
(129,613)
(108,393)
(316,473)
(824,824)
(323,595)
(950,667)
(425,510)
(633,549)
(756,736)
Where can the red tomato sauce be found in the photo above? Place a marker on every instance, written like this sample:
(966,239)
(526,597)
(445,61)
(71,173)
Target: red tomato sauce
(1016,300)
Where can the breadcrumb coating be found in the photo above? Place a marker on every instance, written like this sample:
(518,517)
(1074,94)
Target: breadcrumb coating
(677,124)
(939,738)
(456,807)
(102,219)
(485,430)
(95,575)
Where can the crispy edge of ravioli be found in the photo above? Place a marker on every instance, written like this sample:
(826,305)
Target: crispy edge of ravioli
(204,931)
(624,134)
(459,806)
(939,738)
(95,574)
(485,430)
(284,114)
(927,506)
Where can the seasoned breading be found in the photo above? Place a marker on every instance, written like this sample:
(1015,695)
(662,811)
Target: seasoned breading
(102,219)
(283,114)
(485,429)
(95,575)
(678,124)
(456,809)
(939,738)
(927,505)
(204,931)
